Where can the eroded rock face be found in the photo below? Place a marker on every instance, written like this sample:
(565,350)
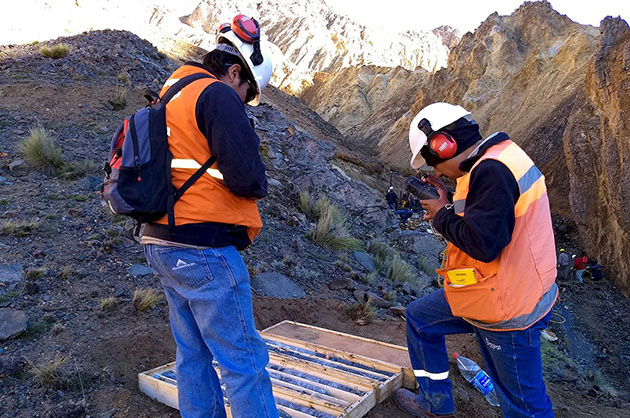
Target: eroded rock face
(558,88)
(310,37)
(596,144)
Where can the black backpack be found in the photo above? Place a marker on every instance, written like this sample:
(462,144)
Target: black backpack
(138,173)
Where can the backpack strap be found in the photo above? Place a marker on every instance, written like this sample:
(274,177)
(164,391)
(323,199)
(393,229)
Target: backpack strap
(174,197)
(180,84)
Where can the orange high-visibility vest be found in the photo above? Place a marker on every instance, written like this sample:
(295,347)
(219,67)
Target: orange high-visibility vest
(511,285)
(208,199)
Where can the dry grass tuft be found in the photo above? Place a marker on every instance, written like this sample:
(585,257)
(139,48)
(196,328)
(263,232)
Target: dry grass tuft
(49,373)
(56,51)
(400,271)
(109,303)
(146,298)
(332,232)
(18,228)
(41,151)
(119,98)
(363,313)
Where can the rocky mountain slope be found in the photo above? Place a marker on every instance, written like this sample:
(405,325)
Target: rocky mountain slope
(307,36)
(314,38)
(532,74)
(70,271)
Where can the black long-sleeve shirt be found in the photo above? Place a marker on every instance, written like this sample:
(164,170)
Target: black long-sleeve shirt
(488,222)
(222,119)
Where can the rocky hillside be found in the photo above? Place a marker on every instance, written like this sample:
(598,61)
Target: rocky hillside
(307,36)
(81,314)
(532,74)
(313,38)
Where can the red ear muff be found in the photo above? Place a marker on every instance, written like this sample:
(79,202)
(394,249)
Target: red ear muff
(443,145)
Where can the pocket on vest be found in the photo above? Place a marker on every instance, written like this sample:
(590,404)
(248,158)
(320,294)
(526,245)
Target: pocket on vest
(480,301)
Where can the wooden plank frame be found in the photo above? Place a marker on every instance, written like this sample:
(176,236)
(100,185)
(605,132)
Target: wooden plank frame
(307,376)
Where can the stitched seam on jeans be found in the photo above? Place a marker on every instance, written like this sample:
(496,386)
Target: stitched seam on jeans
(518,380)
(247,338)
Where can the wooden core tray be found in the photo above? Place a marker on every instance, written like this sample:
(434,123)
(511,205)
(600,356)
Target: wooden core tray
(315,372)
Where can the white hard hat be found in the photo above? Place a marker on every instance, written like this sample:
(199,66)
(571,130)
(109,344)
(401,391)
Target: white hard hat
(261,71)
(439,115)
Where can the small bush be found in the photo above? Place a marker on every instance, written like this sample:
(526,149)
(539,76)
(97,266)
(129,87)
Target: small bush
(49,374)
(119,98)
(34,274)
(41,151)
(18,228)
(109,303)
(123,77)
(57,329)
(67,272)
(381,252)
(306,204)
(423,265)
(400,271)
(332,233)
(363,313)
(146,298)
(77,170)
(56,51)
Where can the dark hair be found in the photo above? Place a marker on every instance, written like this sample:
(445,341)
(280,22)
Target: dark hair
(219,61)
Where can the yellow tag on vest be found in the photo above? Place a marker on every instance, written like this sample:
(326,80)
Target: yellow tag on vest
(462,277)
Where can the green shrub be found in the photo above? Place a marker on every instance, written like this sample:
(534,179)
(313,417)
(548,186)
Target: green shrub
(17,228)
(119,98)
(400,271)
(381,252)
(55,51)
(332,232)
(423,265)
(306,204)
(40,151)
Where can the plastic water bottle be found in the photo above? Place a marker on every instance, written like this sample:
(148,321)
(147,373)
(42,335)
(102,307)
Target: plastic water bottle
(478,378)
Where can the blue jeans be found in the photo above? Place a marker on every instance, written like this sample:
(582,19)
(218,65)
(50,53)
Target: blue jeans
(210,308)
(578,274)
(512,359)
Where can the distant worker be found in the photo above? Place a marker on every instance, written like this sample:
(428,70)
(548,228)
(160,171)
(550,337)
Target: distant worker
(500,266)
(578,265)
(563,265)
(404,200)
(206,283)
(597,270)
(392,199)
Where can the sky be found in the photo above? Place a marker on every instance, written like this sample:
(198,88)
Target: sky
(466,15)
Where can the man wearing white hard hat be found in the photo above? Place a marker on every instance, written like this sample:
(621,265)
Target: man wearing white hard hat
(499,270)
(195,248)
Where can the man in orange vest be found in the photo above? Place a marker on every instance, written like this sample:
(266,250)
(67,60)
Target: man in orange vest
(500,267)
(196,254)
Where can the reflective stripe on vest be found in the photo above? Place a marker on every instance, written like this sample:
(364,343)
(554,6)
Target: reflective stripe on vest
(194,165)
(510,289)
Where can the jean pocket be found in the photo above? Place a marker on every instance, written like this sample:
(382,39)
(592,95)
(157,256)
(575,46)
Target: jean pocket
(186,267)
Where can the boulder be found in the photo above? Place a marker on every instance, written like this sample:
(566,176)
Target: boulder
(139,270)
(276,285)
(12,323)
(339,283)
(89,184)
(365,260)
(10,273)
(18,168)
